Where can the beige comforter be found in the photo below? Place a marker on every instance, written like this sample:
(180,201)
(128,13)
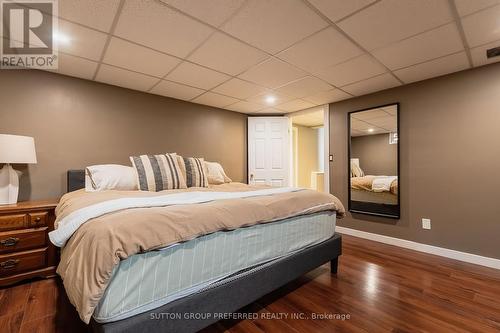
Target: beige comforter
(365,183)
(93,251)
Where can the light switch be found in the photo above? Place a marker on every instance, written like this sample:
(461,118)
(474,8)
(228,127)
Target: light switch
(330,158)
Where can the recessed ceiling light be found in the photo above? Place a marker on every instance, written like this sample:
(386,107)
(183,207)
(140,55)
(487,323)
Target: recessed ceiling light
(371,130)
(270,99)
(61,38)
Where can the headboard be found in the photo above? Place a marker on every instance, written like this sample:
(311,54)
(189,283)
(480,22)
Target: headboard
(76,180)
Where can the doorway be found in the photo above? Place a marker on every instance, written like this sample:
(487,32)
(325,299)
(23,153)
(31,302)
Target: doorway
(309,141)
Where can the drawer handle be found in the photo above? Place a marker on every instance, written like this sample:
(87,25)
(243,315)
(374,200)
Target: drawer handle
(11,241)
(9,264)
(38,219)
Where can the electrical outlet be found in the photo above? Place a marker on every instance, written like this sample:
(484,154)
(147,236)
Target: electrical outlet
(426,223)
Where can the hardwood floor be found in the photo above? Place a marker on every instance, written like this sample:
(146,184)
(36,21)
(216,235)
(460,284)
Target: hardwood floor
(380,287)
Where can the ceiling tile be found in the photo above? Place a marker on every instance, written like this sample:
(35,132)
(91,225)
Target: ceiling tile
(381,82)
(123,78)
(309,119)
(138,58)
(245,107)
(338,9)
(270,111)
(482,27)
(437,67)
(213,12)
(264,24)
(388,123)
(325,48)
(356,69)
(216,100)
(83,42)
(325,97)
(355,132)
(227,54)
(74,66)
(295,105)
(360,128)
(370,114)
(465,7)
(377,130)
(176,90)
(239,89)
(153,24)
(196,76)
(96,14)
(389,21)
(391,109)
(261,98)
(304,87)
(272,73)
(359,125)
(479,54)
(429,45)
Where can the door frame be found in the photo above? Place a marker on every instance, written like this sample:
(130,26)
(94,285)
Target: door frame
(326,128)
(295,156)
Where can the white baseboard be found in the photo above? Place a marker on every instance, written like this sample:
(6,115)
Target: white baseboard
(439,251)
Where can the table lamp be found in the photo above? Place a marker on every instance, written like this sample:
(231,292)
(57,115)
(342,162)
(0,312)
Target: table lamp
(13,149)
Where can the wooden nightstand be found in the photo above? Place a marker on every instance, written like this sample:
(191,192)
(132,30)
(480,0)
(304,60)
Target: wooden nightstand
(25,249)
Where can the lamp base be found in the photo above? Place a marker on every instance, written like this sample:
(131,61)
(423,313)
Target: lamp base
(9,185)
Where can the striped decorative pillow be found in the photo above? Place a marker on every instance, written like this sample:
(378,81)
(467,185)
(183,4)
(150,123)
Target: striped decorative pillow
(158,172)
(196,172)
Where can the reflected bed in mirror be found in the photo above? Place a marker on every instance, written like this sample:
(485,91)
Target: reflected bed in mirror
(374,161)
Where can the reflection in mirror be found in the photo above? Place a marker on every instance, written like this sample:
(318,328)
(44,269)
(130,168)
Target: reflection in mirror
(373,161)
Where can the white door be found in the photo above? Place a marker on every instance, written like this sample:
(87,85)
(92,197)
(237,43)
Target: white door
(269,151)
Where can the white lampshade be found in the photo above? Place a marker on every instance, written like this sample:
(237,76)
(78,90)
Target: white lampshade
(17,149)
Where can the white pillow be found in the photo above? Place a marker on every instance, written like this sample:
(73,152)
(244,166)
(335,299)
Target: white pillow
(216,174)
(110,177)
(356,171)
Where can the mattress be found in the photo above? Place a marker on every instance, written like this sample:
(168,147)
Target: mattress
(146,281)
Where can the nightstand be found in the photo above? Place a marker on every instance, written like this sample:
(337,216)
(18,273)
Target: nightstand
(25,249)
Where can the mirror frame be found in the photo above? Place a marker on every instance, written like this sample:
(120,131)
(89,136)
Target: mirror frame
(374,209)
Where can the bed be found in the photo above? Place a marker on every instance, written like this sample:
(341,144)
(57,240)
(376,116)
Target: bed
(214,273)
(363,189)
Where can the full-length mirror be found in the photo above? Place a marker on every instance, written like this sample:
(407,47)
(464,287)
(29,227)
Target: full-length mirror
(374,161)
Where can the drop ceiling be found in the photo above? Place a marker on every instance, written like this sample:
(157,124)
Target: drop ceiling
(376,121)
(233,53)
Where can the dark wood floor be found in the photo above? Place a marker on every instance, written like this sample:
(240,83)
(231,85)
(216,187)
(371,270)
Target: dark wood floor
(382,288)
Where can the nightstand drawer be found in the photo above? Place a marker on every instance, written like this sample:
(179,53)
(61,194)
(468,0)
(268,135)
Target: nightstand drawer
(25,249)
(38,219)
(22,240)
(13,222)
(11,264)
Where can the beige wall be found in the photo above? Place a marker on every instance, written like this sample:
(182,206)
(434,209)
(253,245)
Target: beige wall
(450,160)
(376,155)
(77,123)
(307,154)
